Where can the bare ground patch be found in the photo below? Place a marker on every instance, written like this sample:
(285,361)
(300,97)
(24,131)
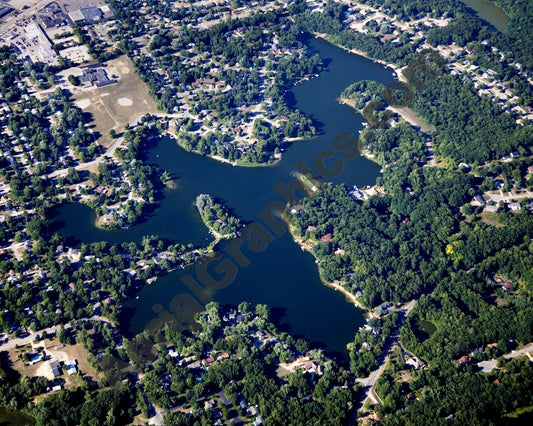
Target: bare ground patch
(42,368)
(83,103)
(114,106)
(125,101)
(490,218)
(405,376)
(410,116)
(282,371)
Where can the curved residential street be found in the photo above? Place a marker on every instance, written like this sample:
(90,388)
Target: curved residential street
(369,383)
(20,341)
(488,366)
(510,197)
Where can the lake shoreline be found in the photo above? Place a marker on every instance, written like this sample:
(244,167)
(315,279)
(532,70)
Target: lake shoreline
(249,192)
(335,285)
(222,159)
(364,151)
(358,52)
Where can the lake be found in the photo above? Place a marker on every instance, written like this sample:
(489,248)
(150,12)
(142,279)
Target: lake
(490,12)
(282,276)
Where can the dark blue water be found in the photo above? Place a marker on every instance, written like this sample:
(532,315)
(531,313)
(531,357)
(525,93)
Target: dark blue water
(282,276)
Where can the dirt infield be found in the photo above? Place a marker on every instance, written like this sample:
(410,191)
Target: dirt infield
(115,105)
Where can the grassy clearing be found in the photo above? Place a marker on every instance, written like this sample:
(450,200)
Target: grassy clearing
(42,368)
(114,106)
(520,411)
(490,218)
(405,376)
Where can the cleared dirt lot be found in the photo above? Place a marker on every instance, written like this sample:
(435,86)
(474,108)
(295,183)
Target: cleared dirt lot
(42,368)
(113,106)
(19,4)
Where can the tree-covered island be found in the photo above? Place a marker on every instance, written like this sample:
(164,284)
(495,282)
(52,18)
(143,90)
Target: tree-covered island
(220,222)
(439,250)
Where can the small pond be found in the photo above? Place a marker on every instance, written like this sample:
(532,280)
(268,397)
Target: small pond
(490,12)
(424,329)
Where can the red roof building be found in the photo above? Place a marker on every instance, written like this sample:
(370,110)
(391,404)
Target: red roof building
(326,238)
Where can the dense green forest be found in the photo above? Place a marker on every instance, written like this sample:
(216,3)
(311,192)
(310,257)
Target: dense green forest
(519,30)
(226,368)
(394,243)
(421,239)
(452,393)
(447,102)
(471,313)
(457,113)
(417,237)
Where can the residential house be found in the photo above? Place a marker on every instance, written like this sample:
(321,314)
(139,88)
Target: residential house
(173,354)
(194,365)
(479,199)
(382,309)
(491,209)
(464,360)
(415,362)
(71,367)
(208,360)
(252,411)
(326,238)
(56,369)
(498,184)
(209,404)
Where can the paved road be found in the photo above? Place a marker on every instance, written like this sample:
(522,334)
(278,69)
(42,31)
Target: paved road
(369,382)
(488,366)
(9,21)
(506,198)
(11,343)
(430,154)
(110,151)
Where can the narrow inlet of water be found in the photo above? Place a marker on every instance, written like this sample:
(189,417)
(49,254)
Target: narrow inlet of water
(282,276)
